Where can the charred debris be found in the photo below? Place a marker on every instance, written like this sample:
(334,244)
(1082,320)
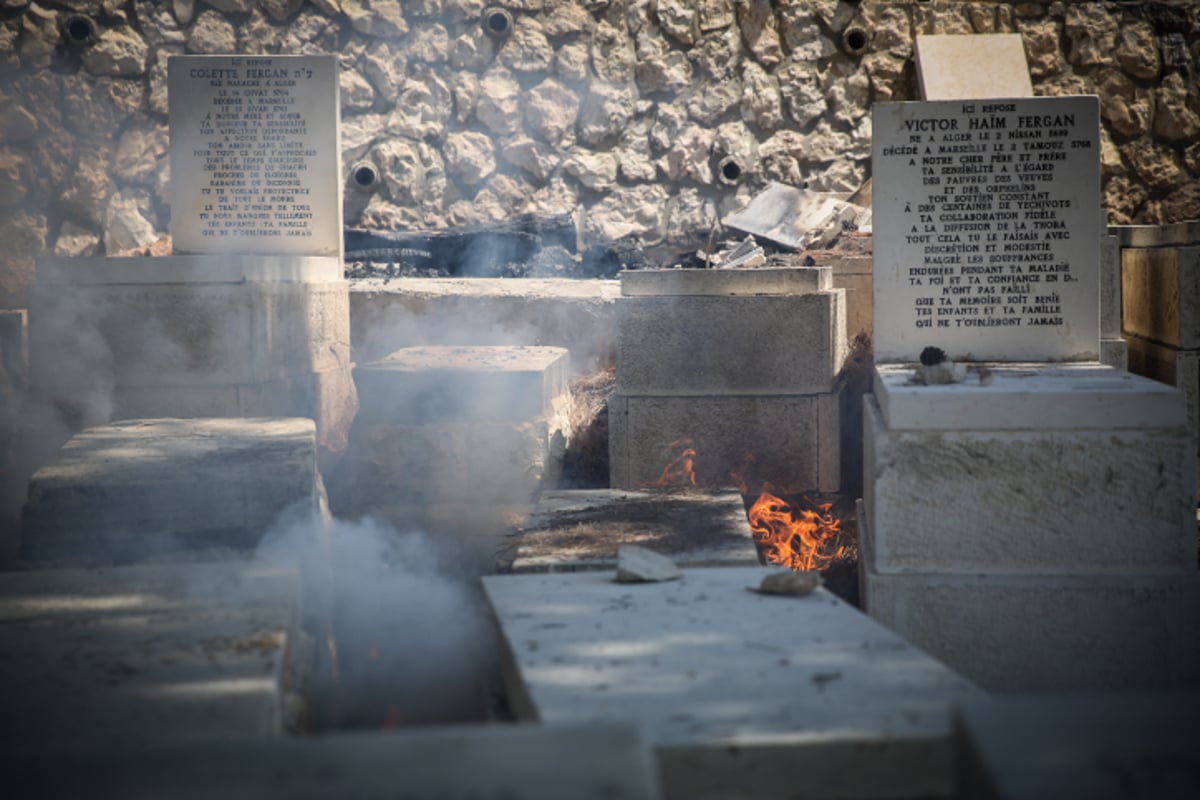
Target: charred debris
(781,226)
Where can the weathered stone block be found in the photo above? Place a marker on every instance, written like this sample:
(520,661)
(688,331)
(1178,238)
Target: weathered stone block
(792,436)
(1053,631)
(1029,501)
(1047,746)
(126,658)
(578,315)
(722,282)
(129,490)
(448,383)
(1160,294)
(1110,288)
(428,463)
(948,66)
(730,345)
(853,275)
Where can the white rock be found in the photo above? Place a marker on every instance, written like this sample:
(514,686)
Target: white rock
(794,584)
(639,565)
(124,226)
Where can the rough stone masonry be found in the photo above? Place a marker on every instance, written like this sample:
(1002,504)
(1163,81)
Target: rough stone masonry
(617,111)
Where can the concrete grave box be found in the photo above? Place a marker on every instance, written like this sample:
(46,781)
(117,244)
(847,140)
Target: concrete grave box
(733,361)
(1039,512)
(255,154)
(741,695)
(150,488)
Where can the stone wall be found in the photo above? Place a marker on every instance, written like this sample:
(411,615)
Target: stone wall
(644,117)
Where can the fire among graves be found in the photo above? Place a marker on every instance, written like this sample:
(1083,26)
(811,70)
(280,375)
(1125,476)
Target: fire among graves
(788,530)
(795,533)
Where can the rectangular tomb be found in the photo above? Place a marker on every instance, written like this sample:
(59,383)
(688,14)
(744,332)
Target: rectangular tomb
(742,695)
(457,438)
(131,657)
(143,489)
(256,157)
(986,229)
(727,365)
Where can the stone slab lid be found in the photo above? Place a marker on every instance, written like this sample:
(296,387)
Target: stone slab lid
(1037,397)
(100,271)
(973,67)
(579,529)
(456,762)
(145,655)
(741,694)
(703,282)
(1101,746)
(137,489)
(437,382)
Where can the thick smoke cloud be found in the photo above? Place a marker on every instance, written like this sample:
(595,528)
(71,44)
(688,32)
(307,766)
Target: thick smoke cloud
(400,628)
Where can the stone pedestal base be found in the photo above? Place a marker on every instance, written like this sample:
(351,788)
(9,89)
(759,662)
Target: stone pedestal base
(208,336)
(734,365)
(1024,526)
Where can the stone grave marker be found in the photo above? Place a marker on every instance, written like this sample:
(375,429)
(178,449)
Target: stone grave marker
(986,229)
(956,67)
(255,155)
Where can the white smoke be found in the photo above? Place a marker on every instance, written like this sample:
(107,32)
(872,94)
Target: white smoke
(400,626)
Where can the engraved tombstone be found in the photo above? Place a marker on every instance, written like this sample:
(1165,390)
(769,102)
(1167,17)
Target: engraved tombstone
(986,229)
(255,155)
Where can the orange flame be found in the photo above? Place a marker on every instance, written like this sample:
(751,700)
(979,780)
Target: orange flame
(679,471)
(791,535)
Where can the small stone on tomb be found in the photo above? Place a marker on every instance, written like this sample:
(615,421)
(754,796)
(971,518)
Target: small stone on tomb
(794,584)
(639,565)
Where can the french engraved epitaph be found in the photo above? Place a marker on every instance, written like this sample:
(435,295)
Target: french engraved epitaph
(255,155)
(986,229)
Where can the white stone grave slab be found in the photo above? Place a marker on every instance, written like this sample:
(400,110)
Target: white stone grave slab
(986,231)
(255,154)
(742,695)
(973,67)
(457,762)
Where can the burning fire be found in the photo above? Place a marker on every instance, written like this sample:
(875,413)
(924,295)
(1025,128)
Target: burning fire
(679,471)
(792,535)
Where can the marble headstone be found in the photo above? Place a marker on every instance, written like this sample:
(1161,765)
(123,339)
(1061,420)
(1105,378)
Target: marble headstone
(986,229)
(255,155)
